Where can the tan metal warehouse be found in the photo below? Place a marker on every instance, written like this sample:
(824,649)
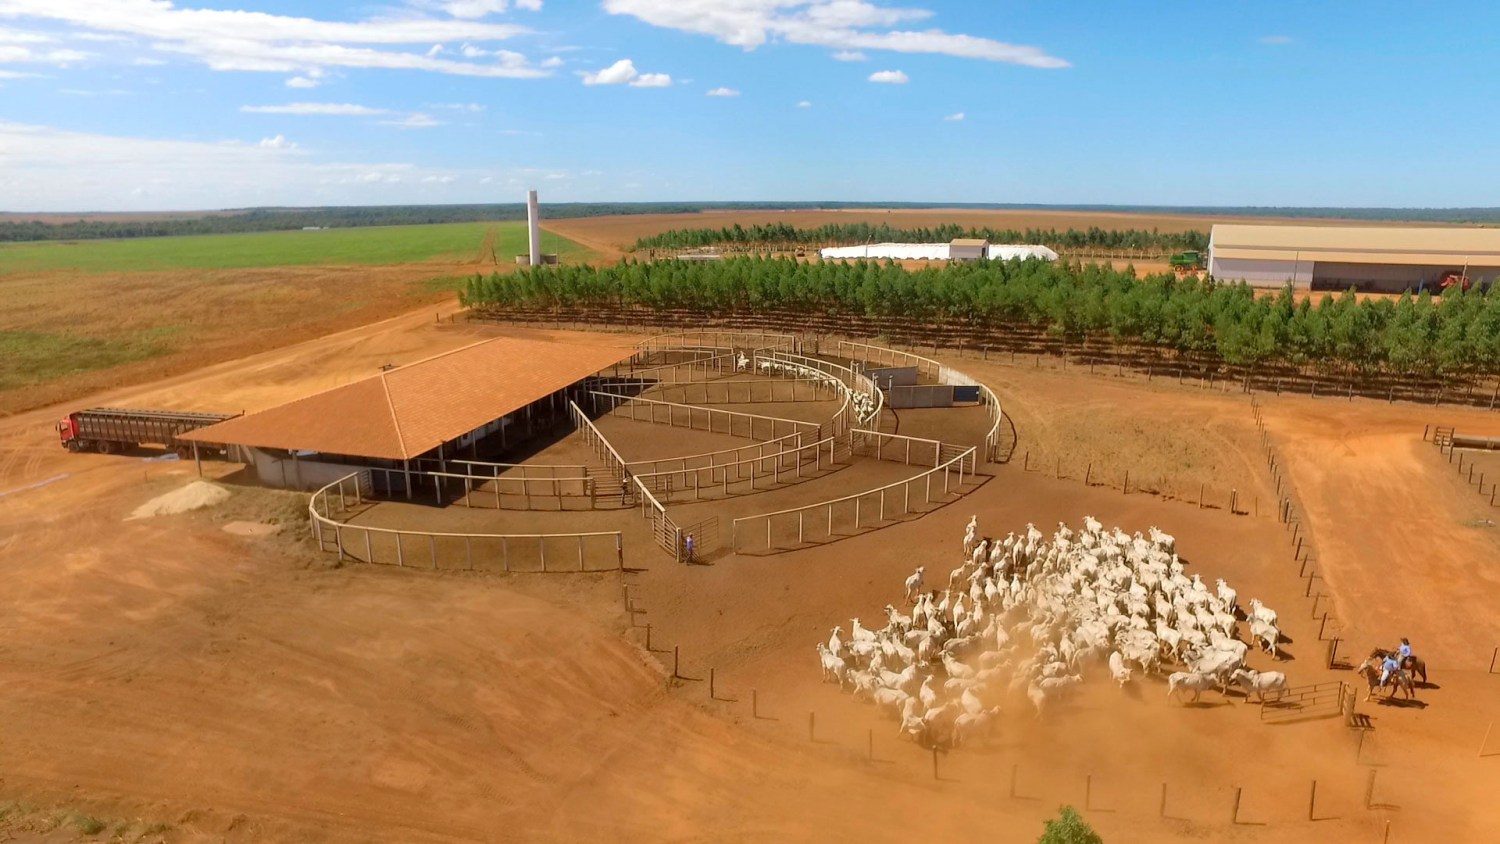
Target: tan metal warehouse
(1375,258)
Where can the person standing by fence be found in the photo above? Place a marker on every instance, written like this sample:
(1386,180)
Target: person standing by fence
(687,549)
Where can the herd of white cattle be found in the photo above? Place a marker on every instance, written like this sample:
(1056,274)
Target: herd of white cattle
(1026,614)
(864,403)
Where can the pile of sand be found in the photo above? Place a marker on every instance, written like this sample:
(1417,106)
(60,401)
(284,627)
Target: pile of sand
(191,497)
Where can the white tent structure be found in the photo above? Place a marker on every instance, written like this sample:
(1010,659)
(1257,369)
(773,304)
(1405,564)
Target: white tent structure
(930,252)
(893,251)
(1019,253)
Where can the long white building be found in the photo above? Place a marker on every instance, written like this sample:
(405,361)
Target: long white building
(963,249)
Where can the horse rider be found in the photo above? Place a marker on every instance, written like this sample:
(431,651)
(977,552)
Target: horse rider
(1405,650)
(1389,667)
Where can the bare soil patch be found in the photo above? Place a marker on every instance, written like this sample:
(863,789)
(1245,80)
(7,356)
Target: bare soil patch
(168,670)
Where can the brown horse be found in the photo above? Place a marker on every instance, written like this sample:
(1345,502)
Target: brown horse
(1400,681)
(1413,664)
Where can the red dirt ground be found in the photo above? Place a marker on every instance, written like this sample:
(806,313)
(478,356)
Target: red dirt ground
(248,689)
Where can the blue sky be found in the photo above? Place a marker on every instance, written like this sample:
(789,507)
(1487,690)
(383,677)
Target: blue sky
(149,104)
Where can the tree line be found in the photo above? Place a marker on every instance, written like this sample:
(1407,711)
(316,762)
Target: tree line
(785,235)
(1456,334)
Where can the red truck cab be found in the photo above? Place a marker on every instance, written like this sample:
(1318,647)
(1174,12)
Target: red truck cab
(67,433)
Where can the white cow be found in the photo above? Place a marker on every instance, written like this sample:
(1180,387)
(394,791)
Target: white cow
(1260,682)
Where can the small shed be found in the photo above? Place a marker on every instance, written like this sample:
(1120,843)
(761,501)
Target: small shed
(968,249)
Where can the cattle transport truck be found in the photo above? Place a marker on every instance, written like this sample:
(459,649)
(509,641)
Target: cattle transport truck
(112,429)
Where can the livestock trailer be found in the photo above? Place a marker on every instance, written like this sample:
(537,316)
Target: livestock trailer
(111,429)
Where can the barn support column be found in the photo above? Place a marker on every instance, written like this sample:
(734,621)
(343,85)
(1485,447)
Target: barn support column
(197,459)
(296,470)
(406,473)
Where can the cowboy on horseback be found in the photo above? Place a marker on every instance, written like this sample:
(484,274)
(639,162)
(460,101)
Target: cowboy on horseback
(1389,668)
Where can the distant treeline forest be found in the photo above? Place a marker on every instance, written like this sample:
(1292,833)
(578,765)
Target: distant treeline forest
(283,219)
(1457,334)
(781,236)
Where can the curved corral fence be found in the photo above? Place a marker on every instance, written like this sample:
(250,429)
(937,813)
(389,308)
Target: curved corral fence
(940,373)
(742,391)
(748,475)
(328,507)
(712,419)
(837,518)
(719,341)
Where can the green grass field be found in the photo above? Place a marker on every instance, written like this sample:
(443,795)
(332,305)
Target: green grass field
(373,246)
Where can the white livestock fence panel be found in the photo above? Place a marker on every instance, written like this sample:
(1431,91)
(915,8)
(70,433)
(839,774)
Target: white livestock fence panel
(823,522)
(749,475)
(712,419)
(941,373)
(516,552)
(741,391)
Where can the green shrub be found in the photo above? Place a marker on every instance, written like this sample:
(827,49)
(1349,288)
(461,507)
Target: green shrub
(1069,828)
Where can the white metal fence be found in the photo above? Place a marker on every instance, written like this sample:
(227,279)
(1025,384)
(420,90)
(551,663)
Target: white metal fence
(712,419)
(769,390)
(595,440)
(943,374)
(664,532)
(720,340)
(749,475)
(826,521)
(515,552)
(715,458)
(903,449)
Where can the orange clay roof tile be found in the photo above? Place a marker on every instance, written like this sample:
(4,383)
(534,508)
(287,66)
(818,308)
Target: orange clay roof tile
(410,410)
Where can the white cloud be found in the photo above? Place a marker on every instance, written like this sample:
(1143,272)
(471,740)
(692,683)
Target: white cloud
(850,56)
(21,54)
(890,77)
(415,120)
(95,92)
(232,39)
(723,92)
(328,109)
(17,36)
(623,72)
(956,117)
(475,9)
(49,169)
(302,82)
(471,108)
(552,61)
(1276,40)
(277,142)
(849,25)
(652,80)
(804,104)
